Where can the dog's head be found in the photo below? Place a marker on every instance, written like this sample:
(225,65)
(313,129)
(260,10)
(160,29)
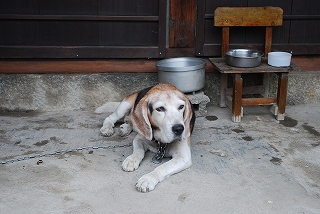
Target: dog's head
(164,113)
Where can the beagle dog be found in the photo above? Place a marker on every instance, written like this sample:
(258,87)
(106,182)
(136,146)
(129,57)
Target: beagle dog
(164,118)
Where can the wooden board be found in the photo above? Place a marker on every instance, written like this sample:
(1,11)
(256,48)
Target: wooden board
(182,23)
(77,66)
(248,16)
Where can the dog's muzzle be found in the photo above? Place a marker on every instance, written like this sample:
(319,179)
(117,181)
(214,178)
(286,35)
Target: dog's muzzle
(177,129)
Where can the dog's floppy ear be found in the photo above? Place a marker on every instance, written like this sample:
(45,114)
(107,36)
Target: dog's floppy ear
(140,119)
(188,116)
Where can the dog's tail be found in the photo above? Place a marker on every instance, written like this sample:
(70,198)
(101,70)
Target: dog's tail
(107,107)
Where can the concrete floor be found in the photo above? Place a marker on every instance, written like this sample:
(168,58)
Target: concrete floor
(260,165)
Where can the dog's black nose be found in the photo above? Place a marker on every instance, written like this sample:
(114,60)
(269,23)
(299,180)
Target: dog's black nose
(177,129)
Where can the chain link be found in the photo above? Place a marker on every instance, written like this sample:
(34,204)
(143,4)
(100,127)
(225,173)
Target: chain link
(61,152)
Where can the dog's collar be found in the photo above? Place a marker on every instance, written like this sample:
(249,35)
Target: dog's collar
(157,158)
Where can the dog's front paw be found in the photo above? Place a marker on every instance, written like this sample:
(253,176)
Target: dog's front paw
(147,183)
(125,129)
(131,163)
(107,130)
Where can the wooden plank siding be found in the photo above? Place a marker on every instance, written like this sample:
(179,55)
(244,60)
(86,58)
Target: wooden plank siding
(82,29)
(299,33)
(119,29)
(182,23)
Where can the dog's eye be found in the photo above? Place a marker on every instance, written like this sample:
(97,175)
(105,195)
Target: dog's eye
(159,109)
(181,107)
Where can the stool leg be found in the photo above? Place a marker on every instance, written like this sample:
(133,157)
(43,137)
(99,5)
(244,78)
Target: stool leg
(223,90)
(237,98)
(282,94)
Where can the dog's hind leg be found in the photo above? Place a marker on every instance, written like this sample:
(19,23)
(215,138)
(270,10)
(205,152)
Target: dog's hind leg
(122,110)
(126,128)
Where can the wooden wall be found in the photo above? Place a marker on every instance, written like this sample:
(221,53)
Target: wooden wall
(82,28)
(100,29)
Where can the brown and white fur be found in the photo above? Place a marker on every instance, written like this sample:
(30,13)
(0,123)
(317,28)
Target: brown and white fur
(160,113)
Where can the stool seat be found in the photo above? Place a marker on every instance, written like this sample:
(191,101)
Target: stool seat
(223,67)
(236,102)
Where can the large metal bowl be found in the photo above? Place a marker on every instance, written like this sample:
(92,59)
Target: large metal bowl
(186,73)
(243,58)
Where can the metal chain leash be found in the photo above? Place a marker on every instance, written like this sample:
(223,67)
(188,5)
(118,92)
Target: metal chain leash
(157,158)
(61,152)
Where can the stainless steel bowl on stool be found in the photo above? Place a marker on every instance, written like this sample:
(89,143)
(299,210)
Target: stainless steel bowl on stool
(243,58)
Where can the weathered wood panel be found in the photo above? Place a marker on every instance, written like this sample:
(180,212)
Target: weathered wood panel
(250,16)
(82,29)
(182,23)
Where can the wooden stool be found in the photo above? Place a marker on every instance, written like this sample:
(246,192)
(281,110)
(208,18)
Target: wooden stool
(237,101)
(268,17)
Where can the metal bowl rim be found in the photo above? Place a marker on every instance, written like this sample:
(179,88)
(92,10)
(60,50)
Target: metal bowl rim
(163,64)
(260,53)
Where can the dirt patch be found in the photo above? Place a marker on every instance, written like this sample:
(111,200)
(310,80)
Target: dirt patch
(238,130)
(289,122)
(247,138)
(276,161)
(311,130)
(211,118)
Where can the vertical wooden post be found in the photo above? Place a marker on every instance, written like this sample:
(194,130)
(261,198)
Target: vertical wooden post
(237,98)
(182,23)
(225,41)
(282,94)
(224,77)
(268,41)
